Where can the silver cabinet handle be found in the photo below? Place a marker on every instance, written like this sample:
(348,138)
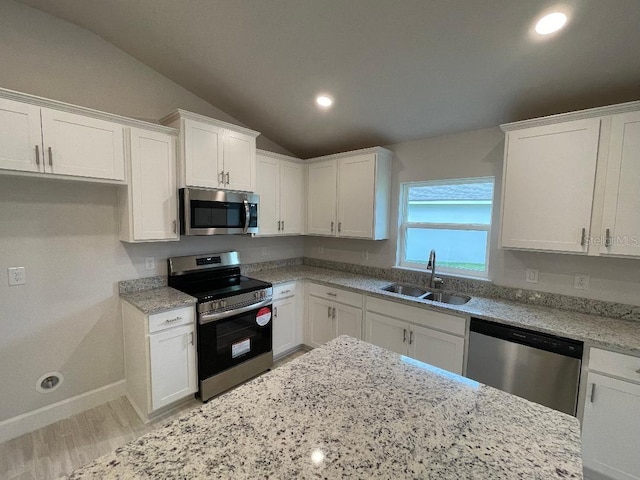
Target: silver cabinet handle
(285,291)
(607,238)
(278,225)
(171,320)
(583,237)
(331,227)
(221,177)
(227,178)
(593,392)
(283,225)
(175,226)
(50,157)
(332,294)
(191,338)
(37,154)
(404,335)
(329,312)
(275,312)
(410,337)
(334,312)
(339,227)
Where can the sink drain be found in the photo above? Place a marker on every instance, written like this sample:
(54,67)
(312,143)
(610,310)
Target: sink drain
(49,382)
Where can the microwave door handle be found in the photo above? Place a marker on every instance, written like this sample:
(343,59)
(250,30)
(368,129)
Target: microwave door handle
(247,215)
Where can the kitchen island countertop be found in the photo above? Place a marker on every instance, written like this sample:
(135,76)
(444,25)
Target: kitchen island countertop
(353,410)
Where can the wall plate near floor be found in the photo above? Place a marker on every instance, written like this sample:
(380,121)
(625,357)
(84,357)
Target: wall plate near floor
(149,263)
(532,275)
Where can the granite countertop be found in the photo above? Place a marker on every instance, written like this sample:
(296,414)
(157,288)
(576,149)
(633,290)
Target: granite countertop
(158,299)
(351,409)
(611,333)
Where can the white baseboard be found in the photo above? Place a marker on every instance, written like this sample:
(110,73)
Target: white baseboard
(30,421)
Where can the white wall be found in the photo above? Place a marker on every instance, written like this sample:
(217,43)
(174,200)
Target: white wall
(477,154)
(66,317)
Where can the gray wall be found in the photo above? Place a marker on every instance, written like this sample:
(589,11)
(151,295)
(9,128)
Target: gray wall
(477,154)
(66,318)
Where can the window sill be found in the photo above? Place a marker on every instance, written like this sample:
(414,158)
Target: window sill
(443,274)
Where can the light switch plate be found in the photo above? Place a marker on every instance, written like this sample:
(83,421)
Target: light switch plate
(17,276)
(149,263)
(532,275)
(581,281)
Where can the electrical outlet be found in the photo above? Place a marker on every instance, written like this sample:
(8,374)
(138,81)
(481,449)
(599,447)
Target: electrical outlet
(17,276)
(149,263)
(581,281)
(532,275)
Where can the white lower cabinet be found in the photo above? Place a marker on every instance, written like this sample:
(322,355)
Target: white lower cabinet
(332,312)
(160,358)
(610,433)
(287,319)
(406,330)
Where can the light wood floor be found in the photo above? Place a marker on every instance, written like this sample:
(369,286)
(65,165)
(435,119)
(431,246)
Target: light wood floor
(60,448)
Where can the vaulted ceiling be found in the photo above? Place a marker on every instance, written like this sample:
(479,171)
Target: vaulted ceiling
(398,69)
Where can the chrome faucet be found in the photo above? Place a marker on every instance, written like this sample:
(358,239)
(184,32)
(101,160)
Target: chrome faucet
(434,282)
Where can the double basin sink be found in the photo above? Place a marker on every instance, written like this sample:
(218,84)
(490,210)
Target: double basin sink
(411,291)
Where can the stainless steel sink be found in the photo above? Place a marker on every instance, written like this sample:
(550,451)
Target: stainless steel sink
(449,298)
(405,290)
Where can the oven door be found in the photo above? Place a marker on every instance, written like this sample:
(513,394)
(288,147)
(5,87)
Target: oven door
(225,343)
(214,212)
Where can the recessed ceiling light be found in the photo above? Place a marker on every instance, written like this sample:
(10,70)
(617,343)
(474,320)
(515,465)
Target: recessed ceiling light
(551,23)
(324,101)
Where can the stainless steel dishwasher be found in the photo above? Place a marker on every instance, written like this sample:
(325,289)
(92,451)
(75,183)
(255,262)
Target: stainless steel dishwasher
(539,367)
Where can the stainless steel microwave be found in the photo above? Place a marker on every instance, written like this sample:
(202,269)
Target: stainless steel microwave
(217,212)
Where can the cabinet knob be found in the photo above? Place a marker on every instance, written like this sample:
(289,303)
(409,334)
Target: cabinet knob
(583,237)
(175,226)
(329,312)
(227,182)
(50,157)
(331,227)
(221,177)
(339,227)
(404,335)
(332,294)
(37,154)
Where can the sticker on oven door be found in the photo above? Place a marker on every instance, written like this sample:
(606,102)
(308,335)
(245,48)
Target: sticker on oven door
(240,348)
(263,316)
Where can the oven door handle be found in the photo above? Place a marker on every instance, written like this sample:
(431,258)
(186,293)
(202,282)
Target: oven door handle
(205,318)
(247,215)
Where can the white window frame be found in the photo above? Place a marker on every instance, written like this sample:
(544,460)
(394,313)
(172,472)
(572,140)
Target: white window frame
(404,225)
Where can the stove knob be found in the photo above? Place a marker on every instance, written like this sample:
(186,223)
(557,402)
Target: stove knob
(223,303)
(263,294)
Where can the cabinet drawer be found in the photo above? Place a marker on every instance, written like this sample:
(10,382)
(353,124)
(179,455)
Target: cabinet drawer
(617,364)
(171,318)
(420,316)
(336,294)
(284,290)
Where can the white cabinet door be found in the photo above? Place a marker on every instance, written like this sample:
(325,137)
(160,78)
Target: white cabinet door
(610,433)
(284,325)
(82,146)
(621,220)
(203,154)
(348,321)
(548,186)
(154,204)
(239,161)
(321,207)
(20,137)
(291,197)
(320,318)
(356,185)
(268,187)
(436,348)
(173,365)
(387,332)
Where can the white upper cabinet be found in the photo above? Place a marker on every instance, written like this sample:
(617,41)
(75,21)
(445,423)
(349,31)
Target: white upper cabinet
(349,195)
(549,175)
(40,136)
(82,146)
(621,212)
(149,206)
(570,182)
(214,154)
(20,137)
(280,184)
(322,198)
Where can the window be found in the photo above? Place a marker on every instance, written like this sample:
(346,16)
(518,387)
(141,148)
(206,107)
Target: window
(452,217)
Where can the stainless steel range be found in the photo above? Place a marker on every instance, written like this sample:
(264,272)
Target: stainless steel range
(234,329)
